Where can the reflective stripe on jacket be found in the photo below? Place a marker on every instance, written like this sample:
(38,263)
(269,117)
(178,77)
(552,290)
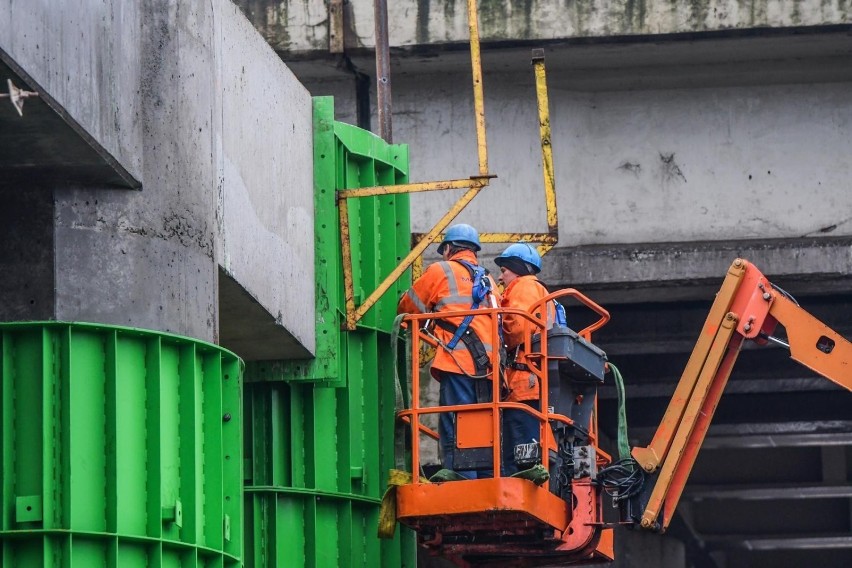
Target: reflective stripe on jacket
(448,286)
(521,294)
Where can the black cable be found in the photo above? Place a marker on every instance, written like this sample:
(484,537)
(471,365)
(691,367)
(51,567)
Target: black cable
(785,293)
(622,480)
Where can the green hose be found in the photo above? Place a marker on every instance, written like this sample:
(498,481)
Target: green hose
(623,443)
(399,393)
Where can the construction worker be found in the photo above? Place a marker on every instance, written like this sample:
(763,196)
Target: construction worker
(519,264)
(462,361)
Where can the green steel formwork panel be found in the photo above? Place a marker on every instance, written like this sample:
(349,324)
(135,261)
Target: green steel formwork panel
(121,448)
(319,433)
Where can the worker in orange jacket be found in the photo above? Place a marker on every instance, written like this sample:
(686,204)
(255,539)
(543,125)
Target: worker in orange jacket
(519,264)
(462,361)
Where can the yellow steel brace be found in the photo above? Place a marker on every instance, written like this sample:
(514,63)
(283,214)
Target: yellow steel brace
(551,237)
(474,184)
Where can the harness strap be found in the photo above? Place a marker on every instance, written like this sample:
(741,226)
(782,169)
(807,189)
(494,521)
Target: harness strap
(481,360)
(479,292)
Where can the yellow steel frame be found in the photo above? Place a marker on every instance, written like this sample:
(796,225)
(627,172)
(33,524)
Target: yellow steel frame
(551,237)
(474,184)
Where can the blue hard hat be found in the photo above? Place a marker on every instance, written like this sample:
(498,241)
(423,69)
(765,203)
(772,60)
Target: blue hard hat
(524,252)
(461,235)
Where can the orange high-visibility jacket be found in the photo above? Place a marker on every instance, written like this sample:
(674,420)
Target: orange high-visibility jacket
(447,286)
(522,293)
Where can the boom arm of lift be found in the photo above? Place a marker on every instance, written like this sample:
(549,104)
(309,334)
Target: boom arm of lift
(507,521)
(747,307)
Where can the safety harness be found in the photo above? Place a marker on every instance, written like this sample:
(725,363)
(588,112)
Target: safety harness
(480,291)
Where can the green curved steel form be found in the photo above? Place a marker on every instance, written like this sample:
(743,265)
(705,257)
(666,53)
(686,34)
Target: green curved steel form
(319,438)
(121,447)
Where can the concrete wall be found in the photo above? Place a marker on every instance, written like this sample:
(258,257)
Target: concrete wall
(731,131)
(88,57)
(654,165)
(414,22)
(266,208)
(648,166)
(189,99)
(302,25)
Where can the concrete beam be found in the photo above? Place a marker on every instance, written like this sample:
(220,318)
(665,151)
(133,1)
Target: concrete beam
(193,103)
(741,386)
(265,200)
(302,26)
(777,441)
(816,543)
(664,272)
(45,144)
(760,430)
(88,58)
(758,493)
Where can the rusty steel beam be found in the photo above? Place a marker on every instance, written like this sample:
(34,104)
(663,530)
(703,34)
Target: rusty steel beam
(475,181)
(353,313)
(335,26)
(383,74)
(478,96)
(546,150)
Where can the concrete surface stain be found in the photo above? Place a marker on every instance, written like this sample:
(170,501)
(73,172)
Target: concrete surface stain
(634,169)
(422,30)
(528,10)
(493,19)
(270,17)
(582,14)
(634,16)
(671,171)
(698,10)
(449,10)
(796,14)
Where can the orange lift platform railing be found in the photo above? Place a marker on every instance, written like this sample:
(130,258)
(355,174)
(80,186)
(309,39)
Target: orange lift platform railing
(511,521)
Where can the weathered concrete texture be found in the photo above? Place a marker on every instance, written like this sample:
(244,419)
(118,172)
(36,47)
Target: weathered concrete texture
(26,260)
(43,144)
(302,25)
(694,270)
(289,24)
(143,258)
(190,100)
(88,57)
(640,166)
(266,193)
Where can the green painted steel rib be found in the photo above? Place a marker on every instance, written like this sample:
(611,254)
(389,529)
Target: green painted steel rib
(121,447)
(319,435)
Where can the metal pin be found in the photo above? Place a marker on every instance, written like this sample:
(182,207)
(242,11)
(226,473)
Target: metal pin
(17,96)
